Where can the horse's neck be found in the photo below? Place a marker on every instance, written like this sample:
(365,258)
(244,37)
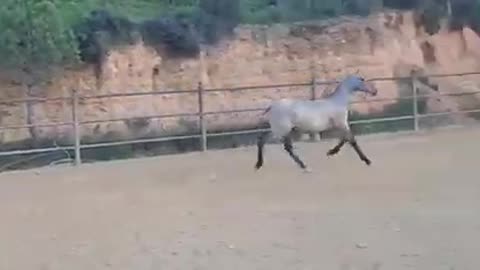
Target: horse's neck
(341,95)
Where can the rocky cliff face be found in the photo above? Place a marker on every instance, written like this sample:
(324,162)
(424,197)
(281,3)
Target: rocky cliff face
(382,45)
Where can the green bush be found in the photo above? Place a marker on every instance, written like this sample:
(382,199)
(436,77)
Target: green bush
(98,32)
(33,34)
(402,4)
(267,15)
(177,37)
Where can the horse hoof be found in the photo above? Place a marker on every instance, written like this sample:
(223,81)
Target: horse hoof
(368,162)
(307,170)
(331,153)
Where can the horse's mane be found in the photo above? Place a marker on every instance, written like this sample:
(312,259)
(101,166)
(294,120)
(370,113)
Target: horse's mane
(335,90)
(327,94)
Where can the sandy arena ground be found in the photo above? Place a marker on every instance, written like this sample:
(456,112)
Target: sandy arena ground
(417,207)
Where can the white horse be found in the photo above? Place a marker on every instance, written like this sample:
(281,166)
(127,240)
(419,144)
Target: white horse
(287,116)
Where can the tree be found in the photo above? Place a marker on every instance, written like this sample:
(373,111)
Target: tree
(217,17)
(33,34)
(361,7)
(34,40)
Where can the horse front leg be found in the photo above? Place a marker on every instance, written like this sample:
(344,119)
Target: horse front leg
(359,151)
(347,136)
(260,146)
(353,142)
(337,147)
(343,139)
(288,146)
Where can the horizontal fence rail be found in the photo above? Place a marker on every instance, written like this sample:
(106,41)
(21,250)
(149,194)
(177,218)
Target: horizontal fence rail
(76,123)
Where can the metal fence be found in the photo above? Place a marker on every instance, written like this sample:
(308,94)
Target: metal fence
(203,134)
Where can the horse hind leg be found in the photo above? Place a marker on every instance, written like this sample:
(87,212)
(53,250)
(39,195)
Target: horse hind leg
(262,138)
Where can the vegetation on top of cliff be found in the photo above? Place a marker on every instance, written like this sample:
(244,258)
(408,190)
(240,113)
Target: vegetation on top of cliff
(56,32)
(33,33)
(179,31)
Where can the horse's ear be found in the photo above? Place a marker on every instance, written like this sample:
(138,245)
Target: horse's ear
(357,72)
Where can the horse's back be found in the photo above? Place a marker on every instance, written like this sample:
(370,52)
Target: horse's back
(306,115)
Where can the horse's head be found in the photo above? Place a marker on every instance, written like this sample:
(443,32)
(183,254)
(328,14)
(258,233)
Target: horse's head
(356,83)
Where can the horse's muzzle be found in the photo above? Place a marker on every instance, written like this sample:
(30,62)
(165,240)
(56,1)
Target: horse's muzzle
(371,89)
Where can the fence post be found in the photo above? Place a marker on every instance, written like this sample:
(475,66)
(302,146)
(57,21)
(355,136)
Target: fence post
(415,102)
(313,89)
(313,96)
(76,127)
(201,118)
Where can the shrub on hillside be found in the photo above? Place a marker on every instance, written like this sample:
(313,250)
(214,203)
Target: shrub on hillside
(99,31)
(465,13)
(176,37)
(402,4)
(33,36)
(178,33)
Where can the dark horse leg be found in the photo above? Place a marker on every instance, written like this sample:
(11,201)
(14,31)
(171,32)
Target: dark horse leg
(350,138)
(337,147)
(359,151)
(343,139)
(260,144)
(288,146)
